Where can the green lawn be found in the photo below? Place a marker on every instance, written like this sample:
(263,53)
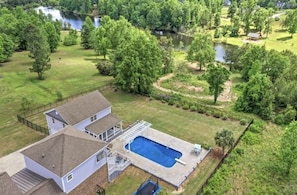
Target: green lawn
(279,39)
(74,73)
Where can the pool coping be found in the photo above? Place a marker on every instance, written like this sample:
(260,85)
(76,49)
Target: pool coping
(174,175)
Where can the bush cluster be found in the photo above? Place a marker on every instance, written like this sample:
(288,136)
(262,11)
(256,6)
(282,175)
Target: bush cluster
(181,102)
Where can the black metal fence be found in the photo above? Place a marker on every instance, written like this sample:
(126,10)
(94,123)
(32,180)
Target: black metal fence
(32,125)
(223,159)
(23,117)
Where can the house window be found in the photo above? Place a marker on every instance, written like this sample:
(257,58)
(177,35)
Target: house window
(53,120)
(93,118)
(99,157)
(69,177)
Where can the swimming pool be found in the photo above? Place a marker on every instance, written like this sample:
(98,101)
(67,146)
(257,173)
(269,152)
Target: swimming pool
(154,151)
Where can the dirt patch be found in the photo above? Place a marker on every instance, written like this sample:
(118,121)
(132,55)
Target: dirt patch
(225,96)
(195,89)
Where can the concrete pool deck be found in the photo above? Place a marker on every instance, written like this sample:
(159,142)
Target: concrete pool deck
(174,175)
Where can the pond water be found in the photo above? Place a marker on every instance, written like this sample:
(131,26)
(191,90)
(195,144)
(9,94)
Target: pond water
(220,48)
(76,22)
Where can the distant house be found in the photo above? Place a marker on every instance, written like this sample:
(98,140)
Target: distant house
(90,113)
(68,158)
(254,36)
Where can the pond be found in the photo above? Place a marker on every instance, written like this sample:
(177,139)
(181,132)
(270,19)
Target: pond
(76,22)
(220,48)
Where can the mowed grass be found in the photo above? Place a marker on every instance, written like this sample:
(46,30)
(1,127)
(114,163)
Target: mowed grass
(279,39)
(186,125)
(189,126)
(73,71)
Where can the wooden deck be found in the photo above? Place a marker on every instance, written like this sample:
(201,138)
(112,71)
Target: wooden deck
(26,179)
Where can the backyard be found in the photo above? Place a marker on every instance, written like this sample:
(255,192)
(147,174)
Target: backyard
(73,71)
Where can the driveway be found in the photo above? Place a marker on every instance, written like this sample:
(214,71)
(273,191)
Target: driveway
(12,163)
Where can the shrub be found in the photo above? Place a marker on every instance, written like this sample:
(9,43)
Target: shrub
(217,114)
(208,113)
(193,108)
(68,41)
(239,151)
(186,106)
(289,116)
(171,102)
(243,121)
(177,104)
(26,104)
(201,110)
(217,33)
(104,68)
(255,128)
(251,139)
(279,120)
(224,117)
(59,95)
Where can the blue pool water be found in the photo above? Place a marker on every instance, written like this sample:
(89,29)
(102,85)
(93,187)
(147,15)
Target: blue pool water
(154,151)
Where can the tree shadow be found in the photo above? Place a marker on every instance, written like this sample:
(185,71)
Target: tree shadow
(284,38)
(281,30)
(93,60)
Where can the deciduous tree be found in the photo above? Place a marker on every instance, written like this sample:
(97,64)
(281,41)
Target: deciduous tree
(39,50)
(53,37)
(201,49)
(257,97)
(86,33)
(101,41)
(216,76)
(137,62)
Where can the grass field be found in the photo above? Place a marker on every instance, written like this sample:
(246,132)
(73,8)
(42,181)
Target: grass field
(279,39)
(74,73)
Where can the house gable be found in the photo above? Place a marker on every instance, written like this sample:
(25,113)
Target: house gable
(64,150)
(83,107)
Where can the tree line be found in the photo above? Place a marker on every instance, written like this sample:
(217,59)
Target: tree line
(270,77)
(28,30)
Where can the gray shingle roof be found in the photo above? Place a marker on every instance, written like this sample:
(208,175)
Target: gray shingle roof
(48,187)
(253,35)
(63,151)
(7,186)
(83,107)
(103,124)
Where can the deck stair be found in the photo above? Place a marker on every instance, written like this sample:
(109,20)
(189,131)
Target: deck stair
(135,130)
(26,179)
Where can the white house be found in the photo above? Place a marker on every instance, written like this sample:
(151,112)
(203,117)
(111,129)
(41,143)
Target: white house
(90,113)
(68,157)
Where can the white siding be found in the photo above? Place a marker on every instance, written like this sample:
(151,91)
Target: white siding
(81,125)
(83,171)
(53,127)
(40,170)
